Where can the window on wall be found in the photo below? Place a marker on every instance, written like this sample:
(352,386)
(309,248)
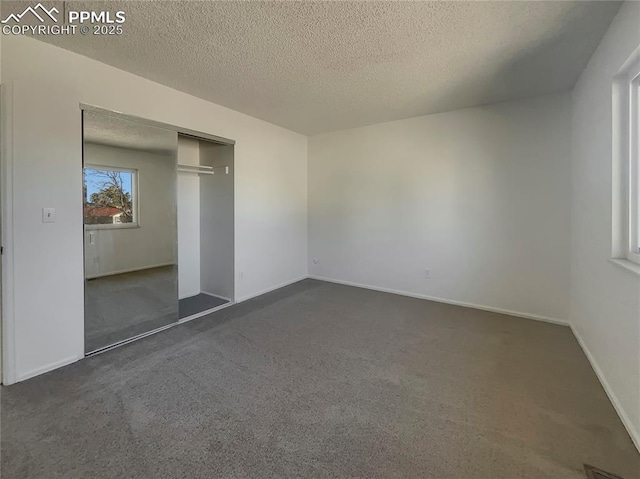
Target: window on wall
(626,165)
(633,250)
(110,197)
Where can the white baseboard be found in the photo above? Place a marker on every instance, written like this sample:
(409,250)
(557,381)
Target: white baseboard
(47,368)
(268,290)
(633,433)
(481,307)
(131,270)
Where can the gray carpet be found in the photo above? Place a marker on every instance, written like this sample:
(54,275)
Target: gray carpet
(320,380)
(199,303)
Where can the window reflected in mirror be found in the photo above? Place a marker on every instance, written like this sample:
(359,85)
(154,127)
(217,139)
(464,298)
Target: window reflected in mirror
(110,197)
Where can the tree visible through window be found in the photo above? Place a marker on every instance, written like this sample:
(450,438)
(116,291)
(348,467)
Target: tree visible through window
(109,196)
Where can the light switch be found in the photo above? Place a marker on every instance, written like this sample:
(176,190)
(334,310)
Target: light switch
(48,215)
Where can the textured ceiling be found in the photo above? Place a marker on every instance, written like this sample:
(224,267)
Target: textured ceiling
(320,66)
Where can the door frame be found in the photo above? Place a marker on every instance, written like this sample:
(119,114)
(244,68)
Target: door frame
(6,227)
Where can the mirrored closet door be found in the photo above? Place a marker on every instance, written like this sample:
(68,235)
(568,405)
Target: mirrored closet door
(130,229)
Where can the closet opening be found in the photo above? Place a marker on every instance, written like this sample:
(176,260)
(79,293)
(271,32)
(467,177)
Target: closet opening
(205,226)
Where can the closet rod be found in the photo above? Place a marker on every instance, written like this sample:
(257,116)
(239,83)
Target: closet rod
(195,167)
(201,170)
(195,172)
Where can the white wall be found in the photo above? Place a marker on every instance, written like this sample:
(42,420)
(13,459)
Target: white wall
(605,299)
(48,85)
(188,220)
(478,196)
(153,242)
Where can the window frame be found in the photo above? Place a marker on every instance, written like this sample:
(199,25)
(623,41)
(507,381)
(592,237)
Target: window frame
(633,167)
(135,198)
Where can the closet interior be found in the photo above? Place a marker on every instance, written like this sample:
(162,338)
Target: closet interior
(158,206)
(205,226)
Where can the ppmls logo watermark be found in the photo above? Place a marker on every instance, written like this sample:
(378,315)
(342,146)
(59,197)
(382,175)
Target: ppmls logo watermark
(40,20)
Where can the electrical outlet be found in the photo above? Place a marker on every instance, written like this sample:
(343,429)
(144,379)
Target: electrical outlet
(241,275)
(427,273)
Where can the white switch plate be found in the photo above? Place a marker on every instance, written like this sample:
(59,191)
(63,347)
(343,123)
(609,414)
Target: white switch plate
(48,215)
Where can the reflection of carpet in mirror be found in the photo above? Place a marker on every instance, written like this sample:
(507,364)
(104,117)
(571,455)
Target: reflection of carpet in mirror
(121,306)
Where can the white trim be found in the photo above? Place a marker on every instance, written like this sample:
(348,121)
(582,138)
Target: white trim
(131,270)
(633,257)
(111,226)
(204,313)
(633,249)
(268,290)
(633,433)
(48,367)
(619,168)
(625,168)
(481,307)
(6,164)
(626,265)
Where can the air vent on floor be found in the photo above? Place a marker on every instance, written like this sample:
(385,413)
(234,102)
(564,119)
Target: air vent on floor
(595,473)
